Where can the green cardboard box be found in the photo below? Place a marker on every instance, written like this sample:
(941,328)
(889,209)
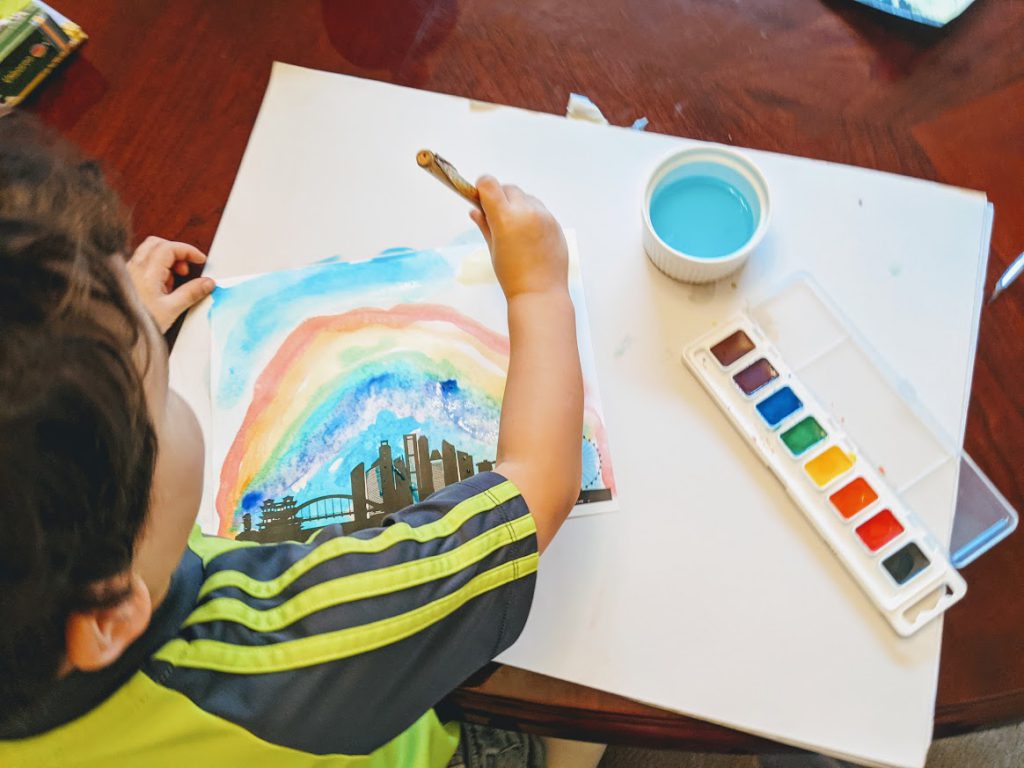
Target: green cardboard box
(33,40)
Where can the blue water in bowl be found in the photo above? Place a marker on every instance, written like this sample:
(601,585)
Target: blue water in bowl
(702,216)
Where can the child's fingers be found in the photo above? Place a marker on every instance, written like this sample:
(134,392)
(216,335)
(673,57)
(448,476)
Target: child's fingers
(187,294)
(155,272)
(146,247)
(169,258)
(173,252)
(481,221)
(492,196)
(514,194)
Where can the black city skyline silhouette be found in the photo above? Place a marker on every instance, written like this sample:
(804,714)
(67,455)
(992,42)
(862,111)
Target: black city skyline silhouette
(390,484)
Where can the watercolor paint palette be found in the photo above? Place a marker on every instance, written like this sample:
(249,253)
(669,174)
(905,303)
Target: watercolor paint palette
(771,378)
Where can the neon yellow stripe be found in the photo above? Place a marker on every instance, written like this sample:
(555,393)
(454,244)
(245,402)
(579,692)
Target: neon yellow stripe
(360,586)
(145,724)
(342,545)
(209,547)
(340,644)
(313,535)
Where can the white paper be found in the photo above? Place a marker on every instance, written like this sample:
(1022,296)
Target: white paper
(708,594)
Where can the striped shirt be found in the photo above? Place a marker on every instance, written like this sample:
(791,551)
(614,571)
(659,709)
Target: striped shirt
(331,652)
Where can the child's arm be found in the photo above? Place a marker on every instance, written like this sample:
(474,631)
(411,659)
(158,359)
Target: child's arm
(542,412)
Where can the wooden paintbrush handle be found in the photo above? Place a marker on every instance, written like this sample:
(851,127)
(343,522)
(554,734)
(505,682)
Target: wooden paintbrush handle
(445,172)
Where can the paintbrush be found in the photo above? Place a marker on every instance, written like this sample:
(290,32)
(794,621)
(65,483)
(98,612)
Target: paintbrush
(445,172)
(1012,273)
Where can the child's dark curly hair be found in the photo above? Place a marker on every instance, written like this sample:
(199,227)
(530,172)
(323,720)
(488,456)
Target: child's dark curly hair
(77,446)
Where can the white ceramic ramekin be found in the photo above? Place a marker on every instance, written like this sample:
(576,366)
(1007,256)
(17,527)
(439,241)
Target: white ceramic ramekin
(721,163)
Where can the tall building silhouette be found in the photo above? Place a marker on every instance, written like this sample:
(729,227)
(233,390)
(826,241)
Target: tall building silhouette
(423,476)
(449,463)
(437,469)
(357,477)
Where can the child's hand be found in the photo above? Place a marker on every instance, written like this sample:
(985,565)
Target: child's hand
(527,245)
(152,269)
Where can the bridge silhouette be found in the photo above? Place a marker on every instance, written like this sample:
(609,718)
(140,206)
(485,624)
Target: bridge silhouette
(325,508)
(285,519)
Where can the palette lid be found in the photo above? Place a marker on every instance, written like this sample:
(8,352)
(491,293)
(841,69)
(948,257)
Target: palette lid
(884,418)
(983,515)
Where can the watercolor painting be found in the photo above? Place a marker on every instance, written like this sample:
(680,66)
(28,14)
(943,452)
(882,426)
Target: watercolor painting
(347,390)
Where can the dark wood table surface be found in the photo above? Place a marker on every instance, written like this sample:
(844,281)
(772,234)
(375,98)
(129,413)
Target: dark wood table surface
(166,94)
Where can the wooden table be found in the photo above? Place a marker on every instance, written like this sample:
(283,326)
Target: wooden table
(166,94)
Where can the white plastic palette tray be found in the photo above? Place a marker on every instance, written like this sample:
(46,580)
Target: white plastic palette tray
(846,445)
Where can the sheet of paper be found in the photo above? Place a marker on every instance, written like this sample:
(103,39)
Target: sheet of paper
(343,391)
(708,594)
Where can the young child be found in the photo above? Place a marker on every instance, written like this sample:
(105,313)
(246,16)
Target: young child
(128,638)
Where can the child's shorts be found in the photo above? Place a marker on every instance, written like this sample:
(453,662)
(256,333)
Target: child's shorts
(483,747)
